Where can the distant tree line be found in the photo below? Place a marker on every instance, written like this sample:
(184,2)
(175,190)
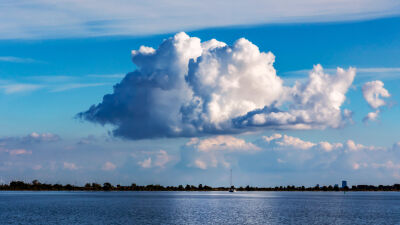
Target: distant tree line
(37,186)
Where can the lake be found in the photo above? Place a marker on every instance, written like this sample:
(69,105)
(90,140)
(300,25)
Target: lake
(27,207)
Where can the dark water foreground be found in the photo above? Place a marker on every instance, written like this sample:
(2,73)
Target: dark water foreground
(199,208)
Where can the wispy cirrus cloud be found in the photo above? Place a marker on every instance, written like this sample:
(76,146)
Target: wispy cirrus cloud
(13,59)
(379,70)
(111,76)
(388,73)
(52,78)
(26,88)
(67,87)
(20,88)
(87,18)
(56,83)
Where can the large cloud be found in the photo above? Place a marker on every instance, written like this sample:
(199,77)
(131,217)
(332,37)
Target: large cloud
(189,88)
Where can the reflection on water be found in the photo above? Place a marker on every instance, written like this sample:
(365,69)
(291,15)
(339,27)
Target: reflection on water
(199,208)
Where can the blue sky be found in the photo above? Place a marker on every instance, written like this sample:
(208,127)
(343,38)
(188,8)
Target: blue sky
(52,72)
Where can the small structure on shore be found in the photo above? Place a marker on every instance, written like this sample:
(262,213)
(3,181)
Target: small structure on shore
(344,183)
(232,188)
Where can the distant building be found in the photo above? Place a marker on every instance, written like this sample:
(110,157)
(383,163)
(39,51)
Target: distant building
(336,186)
(344,183)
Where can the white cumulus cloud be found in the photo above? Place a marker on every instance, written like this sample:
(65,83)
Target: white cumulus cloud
(271,138)
(289,141)
(157,159)
(146,163)
(222,143)
(315,104)
(281,152)
(70,166)
(108,166)
(212,152)
(373,93)
(41,137)
(19,152)
(371,116)
(326,146)
(279,141)
(191,88)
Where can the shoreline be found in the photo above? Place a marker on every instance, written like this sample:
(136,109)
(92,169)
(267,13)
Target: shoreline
(37,186)
(181,191)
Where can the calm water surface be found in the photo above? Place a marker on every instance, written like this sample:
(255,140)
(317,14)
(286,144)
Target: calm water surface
(199,208)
